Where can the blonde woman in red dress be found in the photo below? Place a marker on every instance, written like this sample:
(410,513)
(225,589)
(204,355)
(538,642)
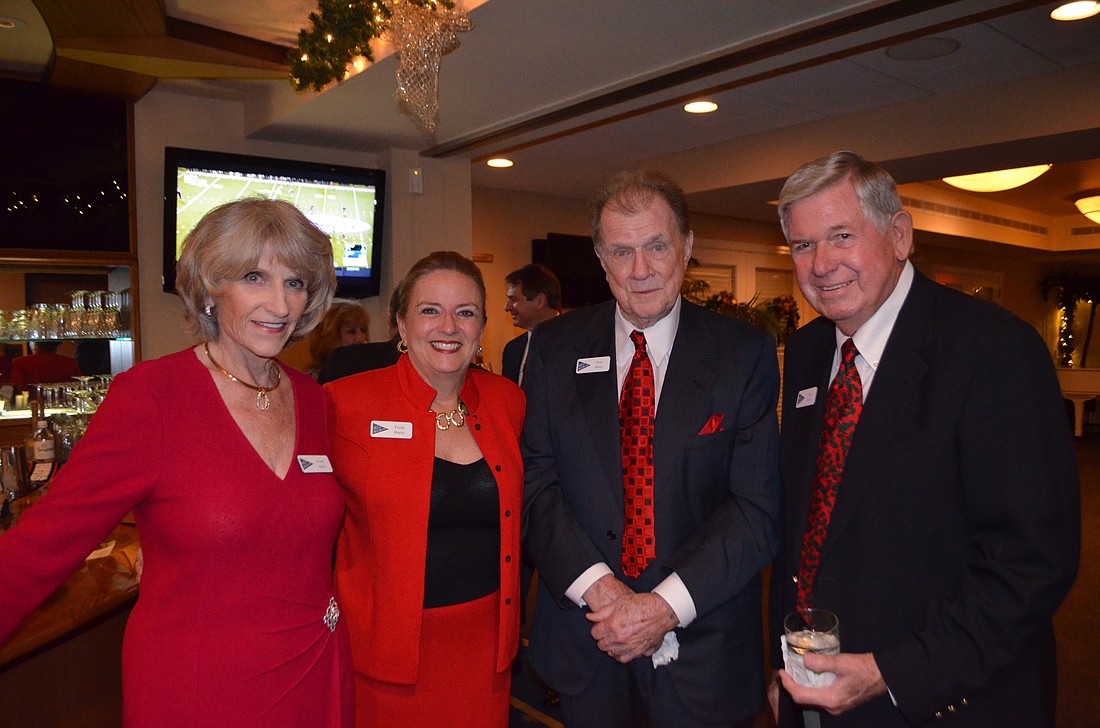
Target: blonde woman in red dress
(236,623)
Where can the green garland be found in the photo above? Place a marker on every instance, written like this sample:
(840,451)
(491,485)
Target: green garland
(341,31)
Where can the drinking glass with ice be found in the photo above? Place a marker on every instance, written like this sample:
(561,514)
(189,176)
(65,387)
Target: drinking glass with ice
(810,630)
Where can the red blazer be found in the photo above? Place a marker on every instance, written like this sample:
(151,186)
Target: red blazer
(387,482)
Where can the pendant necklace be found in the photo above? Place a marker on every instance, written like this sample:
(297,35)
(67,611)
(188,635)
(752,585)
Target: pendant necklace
(456,417)
(263,402)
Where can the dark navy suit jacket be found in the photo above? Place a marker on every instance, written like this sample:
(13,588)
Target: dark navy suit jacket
(716,496)
(956,529)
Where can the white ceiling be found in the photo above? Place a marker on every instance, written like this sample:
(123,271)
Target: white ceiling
(574,90)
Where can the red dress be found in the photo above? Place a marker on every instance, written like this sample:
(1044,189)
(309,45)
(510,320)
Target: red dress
(228,629)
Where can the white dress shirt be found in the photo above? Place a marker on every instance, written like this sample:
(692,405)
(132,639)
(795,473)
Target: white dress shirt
(659,340)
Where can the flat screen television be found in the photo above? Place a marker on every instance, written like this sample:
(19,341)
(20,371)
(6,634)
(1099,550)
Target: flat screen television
(346,202)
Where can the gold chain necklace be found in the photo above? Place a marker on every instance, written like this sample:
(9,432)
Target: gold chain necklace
(456,417)
(263,402)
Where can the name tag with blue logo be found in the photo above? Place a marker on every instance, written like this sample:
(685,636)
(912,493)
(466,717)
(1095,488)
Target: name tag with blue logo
(314,464)
(391,430)
(593,364)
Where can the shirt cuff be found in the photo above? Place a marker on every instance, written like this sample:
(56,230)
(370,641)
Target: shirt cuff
(576,590)
(673,591)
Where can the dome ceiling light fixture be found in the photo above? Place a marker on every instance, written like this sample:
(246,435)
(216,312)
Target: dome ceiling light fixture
(1075,11)
(499,163)
(998,181)
(1090,207)
(700,107)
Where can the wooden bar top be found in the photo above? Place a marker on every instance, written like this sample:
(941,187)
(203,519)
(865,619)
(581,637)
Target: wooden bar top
(97,587)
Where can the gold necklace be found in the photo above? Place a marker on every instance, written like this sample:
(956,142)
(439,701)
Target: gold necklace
(263,402)
(456,417)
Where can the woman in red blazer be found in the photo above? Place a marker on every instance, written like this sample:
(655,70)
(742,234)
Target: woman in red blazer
(427,565)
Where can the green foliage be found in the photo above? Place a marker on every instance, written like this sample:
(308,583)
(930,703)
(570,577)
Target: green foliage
(341,31)
(778,315)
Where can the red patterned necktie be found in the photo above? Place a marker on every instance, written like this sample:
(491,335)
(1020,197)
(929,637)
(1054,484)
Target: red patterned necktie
(636,407)
(842,408)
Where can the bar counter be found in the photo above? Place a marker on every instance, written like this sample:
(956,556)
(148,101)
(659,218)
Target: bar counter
(62,667)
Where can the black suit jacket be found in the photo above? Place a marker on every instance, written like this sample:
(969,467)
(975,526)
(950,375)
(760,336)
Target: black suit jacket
(512,358)
(956,529)
(344,361)
(716,496)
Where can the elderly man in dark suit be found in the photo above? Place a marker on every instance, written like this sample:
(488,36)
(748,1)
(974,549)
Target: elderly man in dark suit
(929,478)
(651,502)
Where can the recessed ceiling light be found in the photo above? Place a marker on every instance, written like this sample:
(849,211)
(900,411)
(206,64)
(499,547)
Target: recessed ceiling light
(499,162)
(10,23)
(1076,11)
(700,107)
(923,49)
(999,181)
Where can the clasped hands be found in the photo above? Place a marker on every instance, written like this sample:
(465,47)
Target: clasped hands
(627,625)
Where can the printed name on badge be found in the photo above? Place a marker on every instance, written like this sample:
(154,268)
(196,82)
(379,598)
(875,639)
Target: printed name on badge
(314,464)
(391,430)
(593,364)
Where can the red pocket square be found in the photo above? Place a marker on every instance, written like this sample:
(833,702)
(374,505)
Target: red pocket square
(714,424)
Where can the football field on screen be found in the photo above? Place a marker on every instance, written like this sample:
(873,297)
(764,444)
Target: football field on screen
(344,213)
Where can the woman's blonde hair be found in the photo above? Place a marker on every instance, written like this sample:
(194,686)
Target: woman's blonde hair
(326,336)
(229,241)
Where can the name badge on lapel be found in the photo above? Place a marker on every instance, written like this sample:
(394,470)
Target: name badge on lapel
(805,397)
(387,430)
(314,464)
(593,364)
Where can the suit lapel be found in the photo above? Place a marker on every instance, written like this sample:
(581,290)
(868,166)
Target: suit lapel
(692,367)
(895,385)
(596,391)
(802,425)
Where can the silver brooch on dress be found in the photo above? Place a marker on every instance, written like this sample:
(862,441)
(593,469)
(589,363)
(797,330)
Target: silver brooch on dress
(332,615)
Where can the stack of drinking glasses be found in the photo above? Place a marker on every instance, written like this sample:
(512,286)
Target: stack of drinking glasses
(89,315)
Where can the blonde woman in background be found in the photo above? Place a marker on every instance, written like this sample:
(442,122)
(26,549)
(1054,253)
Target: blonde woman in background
(346,322)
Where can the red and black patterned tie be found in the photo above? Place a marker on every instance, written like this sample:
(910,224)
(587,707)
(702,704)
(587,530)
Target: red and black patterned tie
(842,408)
(636,407)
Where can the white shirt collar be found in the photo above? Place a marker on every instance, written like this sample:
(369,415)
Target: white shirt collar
(658,338)
(870,339)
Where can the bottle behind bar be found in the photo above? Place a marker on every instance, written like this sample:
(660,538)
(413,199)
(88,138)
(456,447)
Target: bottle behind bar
(45,452)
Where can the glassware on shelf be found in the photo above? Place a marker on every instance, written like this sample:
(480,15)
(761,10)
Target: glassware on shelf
(95,327)
(31,326)
(83,395)
(88,315)
(112,314)
(77,314)
(69,428)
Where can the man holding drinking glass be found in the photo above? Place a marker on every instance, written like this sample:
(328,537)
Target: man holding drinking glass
(929,478)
